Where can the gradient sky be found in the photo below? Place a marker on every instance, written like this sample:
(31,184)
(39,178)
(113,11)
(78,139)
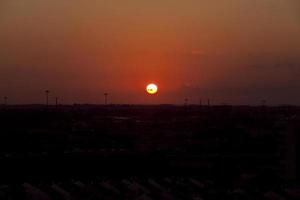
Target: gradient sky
(232,51)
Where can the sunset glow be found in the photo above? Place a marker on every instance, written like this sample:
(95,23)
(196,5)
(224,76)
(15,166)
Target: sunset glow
(196,49)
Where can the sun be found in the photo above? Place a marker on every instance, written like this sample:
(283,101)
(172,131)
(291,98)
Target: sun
(152,88)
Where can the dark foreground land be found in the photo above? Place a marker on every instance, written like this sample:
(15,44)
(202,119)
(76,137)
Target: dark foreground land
(149,152)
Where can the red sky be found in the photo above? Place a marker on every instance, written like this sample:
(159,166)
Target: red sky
(232,51)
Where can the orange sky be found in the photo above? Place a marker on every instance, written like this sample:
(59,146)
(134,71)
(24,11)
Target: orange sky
(232,51)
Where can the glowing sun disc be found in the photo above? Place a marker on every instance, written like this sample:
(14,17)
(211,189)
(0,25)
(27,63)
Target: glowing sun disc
(152,88)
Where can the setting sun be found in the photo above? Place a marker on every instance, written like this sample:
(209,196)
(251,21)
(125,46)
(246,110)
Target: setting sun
(152,88)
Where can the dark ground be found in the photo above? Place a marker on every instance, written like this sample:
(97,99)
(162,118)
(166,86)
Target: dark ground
(149,152)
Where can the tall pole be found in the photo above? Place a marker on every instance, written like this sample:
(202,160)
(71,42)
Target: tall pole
(5,100)
(105,98)
(186,101)
(47,97)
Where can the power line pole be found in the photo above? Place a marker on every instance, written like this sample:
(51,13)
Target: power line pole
(5,100)
(105,98)
(47,97)
(186,100)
